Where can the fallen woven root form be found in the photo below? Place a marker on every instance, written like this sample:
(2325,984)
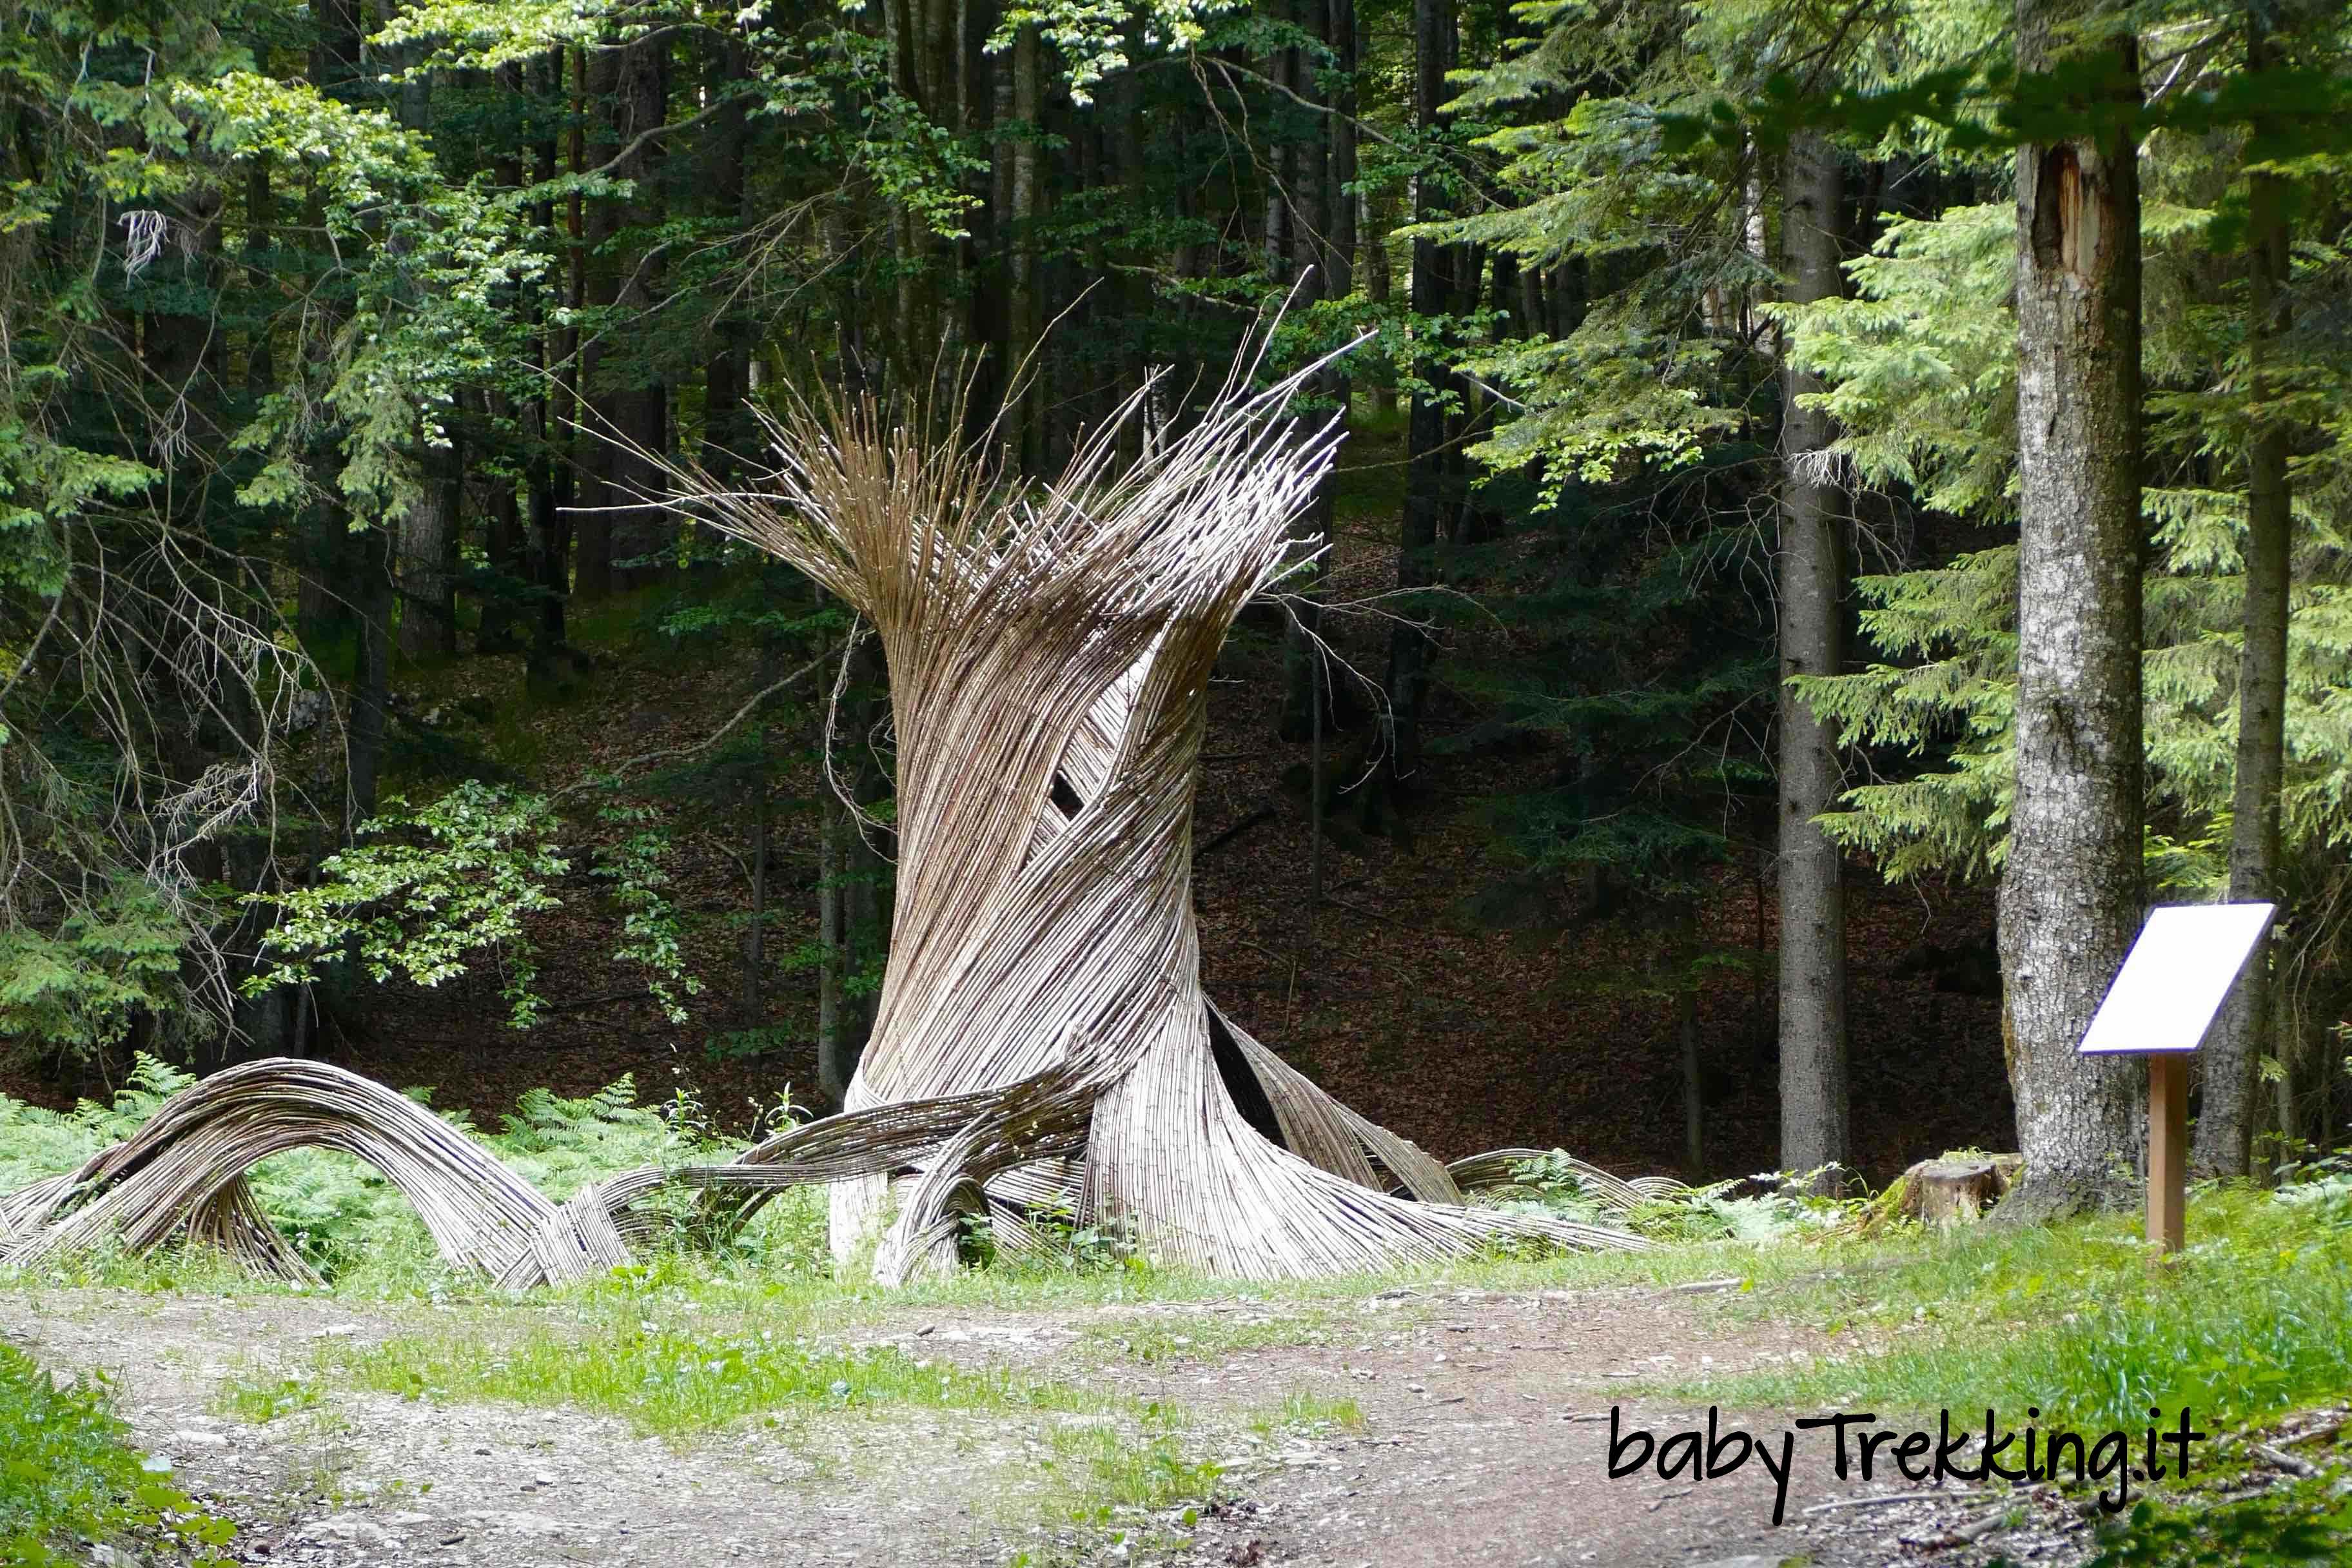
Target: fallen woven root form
(1041,1039)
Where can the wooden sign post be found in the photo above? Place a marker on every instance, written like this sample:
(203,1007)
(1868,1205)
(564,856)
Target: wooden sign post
(2160,1006)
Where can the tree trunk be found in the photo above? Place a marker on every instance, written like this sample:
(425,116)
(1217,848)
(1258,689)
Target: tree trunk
(1429,476)
(1025,303)
(342,575)
(730,437)
(2224,1114)
(852,919)
(428,529)
(755,933)
(506,583)
(1942,1193)
(556,474)
(2292,1048)
(1694,1092)
(834,1062)
(626,404)
(2071,893)
(1812,870)
(371,599)
(1346,50)
(260,218)
(428,554)
(1299,250)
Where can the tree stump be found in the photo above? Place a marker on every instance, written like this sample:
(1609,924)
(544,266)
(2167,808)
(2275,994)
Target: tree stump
(1954,1189)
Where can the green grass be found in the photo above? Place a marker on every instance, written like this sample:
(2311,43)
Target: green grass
(661,1382)
(67,1468)
(1103,1461)
(2077,1320)
(1160,1339)
(1106,1471)
(1307,1413)
(68,1474)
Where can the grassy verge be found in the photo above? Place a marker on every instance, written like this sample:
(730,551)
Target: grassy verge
(68,1475)
(662,1382)
(2074,1319)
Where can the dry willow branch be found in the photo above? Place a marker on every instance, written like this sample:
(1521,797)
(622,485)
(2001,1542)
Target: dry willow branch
(1041,1038)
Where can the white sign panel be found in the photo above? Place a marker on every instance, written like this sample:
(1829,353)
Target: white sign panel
(2177,976)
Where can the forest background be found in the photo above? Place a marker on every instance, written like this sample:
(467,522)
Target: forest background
(1629,772)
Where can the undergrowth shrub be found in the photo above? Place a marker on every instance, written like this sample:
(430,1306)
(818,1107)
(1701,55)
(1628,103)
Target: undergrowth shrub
(2299,1523)
(68,1473)
(1065,1244)
(1550,1184)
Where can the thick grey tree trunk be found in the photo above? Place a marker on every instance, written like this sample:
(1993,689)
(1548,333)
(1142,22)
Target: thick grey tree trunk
(2225,1114)
(2070,893)
(1812,870)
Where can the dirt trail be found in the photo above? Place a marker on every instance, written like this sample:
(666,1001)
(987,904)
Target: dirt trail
(1484,1442)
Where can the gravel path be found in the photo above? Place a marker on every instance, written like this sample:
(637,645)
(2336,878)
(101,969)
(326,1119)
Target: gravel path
(1487,1422)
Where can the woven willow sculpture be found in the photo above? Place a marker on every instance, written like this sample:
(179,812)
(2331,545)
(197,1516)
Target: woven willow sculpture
(1049,651)
(1041,1039)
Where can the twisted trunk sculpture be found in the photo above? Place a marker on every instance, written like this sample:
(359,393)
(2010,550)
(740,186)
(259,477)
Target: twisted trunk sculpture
(1049,651)
(1041,1038)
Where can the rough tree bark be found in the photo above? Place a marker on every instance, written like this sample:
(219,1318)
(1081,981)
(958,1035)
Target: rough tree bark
(328,559)
(1812,870)
(428,530)
(1024,299)
(1430,478)
(628,405)
(2225,1113)
(2071,893)
(428,551)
